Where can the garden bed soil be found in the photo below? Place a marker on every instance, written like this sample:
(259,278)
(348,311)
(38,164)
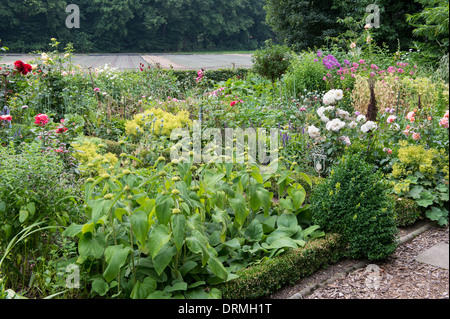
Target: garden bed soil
(402,276)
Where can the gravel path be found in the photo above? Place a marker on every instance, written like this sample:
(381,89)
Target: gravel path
(398,277)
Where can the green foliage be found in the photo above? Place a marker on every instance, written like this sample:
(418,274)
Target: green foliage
(422,175)
(431,24)
(407,211)
(185,227)
(136,25)
(267,277)
(354,202)
(305,75)
(272,61)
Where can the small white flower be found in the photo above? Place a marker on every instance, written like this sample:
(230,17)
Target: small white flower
(352,124)
(369,126)
(361,119)
(346,140)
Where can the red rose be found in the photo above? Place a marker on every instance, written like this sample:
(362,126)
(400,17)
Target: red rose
(41,119)
(61,130)
(23,68)
(233,103)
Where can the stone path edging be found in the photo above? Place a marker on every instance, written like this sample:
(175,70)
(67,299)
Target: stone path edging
(310,289)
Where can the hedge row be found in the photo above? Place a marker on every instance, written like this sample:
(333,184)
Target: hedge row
(286,269)
(188,77)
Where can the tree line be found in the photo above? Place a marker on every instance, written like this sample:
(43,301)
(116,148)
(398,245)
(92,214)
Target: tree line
(135,25)
(221,25)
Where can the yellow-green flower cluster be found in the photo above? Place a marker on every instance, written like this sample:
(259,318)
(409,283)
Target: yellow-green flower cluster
(157,122)
(89,155)
(415,158)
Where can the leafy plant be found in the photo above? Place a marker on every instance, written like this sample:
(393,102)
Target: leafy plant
(422,175)
(185,227)
(354,202)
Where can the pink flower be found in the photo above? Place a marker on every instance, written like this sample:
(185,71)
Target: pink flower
(416,136)
(324,78)
(5,118)
(362,61)
(410,116)
(41,119)
(233,103)
(355,65)
(391,118)
(342,78)
(96,90)
(399,70)
(444,122)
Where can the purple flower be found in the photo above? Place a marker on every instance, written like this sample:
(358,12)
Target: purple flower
(347,62)
(319,53)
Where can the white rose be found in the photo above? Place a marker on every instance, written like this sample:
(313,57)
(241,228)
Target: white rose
(369,126)
(320,111)
(324,119)
(335,125)
(352,124)
(343,114)
(338,94)
(313,132)
(361,119)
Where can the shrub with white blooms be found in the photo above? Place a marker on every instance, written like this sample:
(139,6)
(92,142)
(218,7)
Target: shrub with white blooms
(332,96)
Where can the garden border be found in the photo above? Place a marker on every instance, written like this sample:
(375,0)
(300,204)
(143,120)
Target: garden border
(310,289)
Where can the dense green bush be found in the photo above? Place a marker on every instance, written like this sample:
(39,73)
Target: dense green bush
(354,202)
(407,211)
(305,74)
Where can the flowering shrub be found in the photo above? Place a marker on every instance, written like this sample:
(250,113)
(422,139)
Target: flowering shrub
(157,122)
(340,126)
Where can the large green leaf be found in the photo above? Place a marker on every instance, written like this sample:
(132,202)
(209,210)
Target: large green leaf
(100,207)
(158,238)
(100,286)
(141,290)
(240,210)
(163,208)
(139,223)
(254,231)
(298,194)
(217,267)
(198,244)
(179,230)
(115,257)
(91,245)
(287,220)
(426,199)
(163,259)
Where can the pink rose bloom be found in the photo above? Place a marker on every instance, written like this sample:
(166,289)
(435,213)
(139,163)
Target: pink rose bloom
(41,119)
(391,118)
(362,61)
(444,122)
(355,65)
(416,136)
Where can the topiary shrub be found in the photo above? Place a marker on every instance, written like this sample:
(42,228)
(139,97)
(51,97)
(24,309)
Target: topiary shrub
(354,202)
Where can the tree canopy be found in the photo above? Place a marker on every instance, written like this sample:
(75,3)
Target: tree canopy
(135,25)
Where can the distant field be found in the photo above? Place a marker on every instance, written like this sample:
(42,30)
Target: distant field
(182,61)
